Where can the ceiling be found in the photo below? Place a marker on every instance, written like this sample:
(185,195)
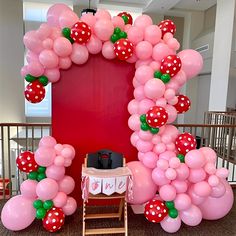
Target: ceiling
(197,5)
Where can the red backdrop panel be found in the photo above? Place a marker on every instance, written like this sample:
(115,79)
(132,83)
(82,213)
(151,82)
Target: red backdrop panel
(89,110)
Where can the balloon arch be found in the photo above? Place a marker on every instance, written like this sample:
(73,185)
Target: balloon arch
(189,186)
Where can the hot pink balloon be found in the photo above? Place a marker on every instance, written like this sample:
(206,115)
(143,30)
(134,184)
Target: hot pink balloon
(94,45)
(79,54)
(143,50)
(160,51)
(67,19)
(167,192)
(118,22)
(18,213)
(60,199)
(55,172)
(150,159)
(28,188)
(171,225)
(144,146)
(103,29)
(47,141)
(202,189)
(47,189)
(48,59)
(33,42)
(154,88)
(45,156)
(134,122)
(182,202)
(70,207)
(35,68)
(64,63)
(152,34)
(108,50)
(144,73)
(66,185)
(192,216)
(144,106)
(196,175)
(140,156)
(144,188)
(53,75)
(143,21)
(62,47)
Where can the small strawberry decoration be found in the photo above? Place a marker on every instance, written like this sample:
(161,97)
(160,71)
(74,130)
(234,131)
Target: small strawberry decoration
(54,219)
(171,65)
(167,26)
(185,142)
(126,17)
(26,162)
(80,32)
(123,49)
(155,211)
(156,116)
(35,92)
(183,104)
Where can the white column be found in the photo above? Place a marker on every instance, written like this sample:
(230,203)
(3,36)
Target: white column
(221,54)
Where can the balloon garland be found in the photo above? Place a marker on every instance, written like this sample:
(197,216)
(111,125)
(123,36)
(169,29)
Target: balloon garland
(189,186)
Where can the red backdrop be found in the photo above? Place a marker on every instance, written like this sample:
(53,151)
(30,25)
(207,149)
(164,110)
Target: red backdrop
(89,110)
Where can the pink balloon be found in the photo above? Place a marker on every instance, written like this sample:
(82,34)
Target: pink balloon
(60,199)
(139,93)
(144,146)
(44,31)
(133,58)
(18,213)
(180,186)
(72,155)
(156,139)
(56,33)
(103,14)
(62,47)
(172,113)
(174,162)
(167,192)
(169,94)
(154,88)
(218,191)
(173,101)
(144,106)
(155,65)
(31,56)
(67,19)
(59,161)
(222,173)
(144,73)
(162,164)
(213,181)
(47,189)
(53,75)
(24,71)
(170,174)
(45,156)
(209,154)
(152,34)
(70,207)
(182,202)
(134,138)
(66,185)
(171,225)
(108,50)
(67,162)
(68,152)
(182,172)
(58,148)
(140,156)
(144,188)
(118,22)
(103,29)
(143,63)
(35,69)
(160,51)
(143,21)
(173,44)
(210,168)
(48,59)
(192,62)
(196,175)
(133,106)
(192,216)
(134,122)
(167,155)
(89,19)
(161,102)
(143,50)
(196,199)
(55,172)
(94,45)
(159,148)
(170,147)
(65,63)
(79,54)
(159,177)
(167,36)
(150,159)
(33,42)
(48,43)
(202,189)
(28,188)
(194,159)
(172,131)
(47,141)
(127,27)
(180,78)
(144,135)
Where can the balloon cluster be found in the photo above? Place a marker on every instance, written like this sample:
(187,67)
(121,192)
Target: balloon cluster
(44,194)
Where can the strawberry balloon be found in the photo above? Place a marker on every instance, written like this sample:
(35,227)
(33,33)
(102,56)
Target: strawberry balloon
(123,49)
(80,32)
(167,26)
(155,211)
(35,92)
(156,117)
(183,104)
(26,162)
(126,17)
(171,65)
(185,142)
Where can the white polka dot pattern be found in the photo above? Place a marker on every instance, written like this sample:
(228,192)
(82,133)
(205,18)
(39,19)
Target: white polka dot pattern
(185,142)
(123,49)
(170,65)
(81,32)
(167,26)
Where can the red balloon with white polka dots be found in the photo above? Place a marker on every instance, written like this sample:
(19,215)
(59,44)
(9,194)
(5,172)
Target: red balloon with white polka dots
(167,26)
(26,162)
(123,49)
(80,32)
(156,117)
(185,142)
(155,211)
(183,104)
(171,65)
(35,92)
(54,219)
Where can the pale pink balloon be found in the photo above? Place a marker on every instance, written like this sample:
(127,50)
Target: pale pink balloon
(31,56)
(79,54)
(48,43)
(159,148)
(134,122)
(140,156)
(180,186)
(134,138)
(166,138)
(48,59)
(162,164)
(144,188)
(196,199)
(28,188)
(167,192)
(72,149)
(172,113)
(53,75)
(59,161)
(144,135)
(35,69)
(133,58)
(222,173)
(152,34)
(167,155)
(33,42)
(182,172)
(182,201)
(209,154)
(196,175)
(210,168)
(169,93)
(139,93)
(160,51)
(45,156)
(173,44)
(143,74)
(44,31)
(173,101)
(127,27)
(18,213)
(67,184)
(135,35)
(55,172)
(108,50)
(94,45)
(150,159)
(47,189)
(144,146)
(68,19)
(60,199)
(195,159)
(58,148)
(170,174)
(70,207)
(155,65)
(68,152)
(218,191)
(89,19)
(213,181)
(133,106)
(180,78)
(154,88)
(24,71)
(103,14)
(192,62)
(167,36)
(67,162)
(174,162)
(65,63)
(170,147)
(142,22)
(143,63)
(171,225)
(156,139)
(118,22)
(144,106)
(202,189)
(161,102)
(62,47)
(47,141)
(56,33)
(172,131)
(143,50)
(192,216)
(103,29)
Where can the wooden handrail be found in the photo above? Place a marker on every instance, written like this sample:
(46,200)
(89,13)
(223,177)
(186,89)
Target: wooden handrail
(25,124)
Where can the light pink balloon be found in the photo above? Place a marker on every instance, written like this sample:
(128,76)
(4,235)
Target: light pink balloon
(170,147)
(35,68)
(173,44)
(180,78)
(28,188)
(47,141)
(67,162)
(161,102)
(144,188)
(127,27)
(196,175)
(108,50)
(103,14)
(180,186)
(167,155)
(18,213)
(140,156)
(67,184)
(44,31)
(133,106)
(144,73)
(70,207)
(79,54)
(118,22)
(144,146)
(171,225)
(192,216)
(139,93)
(68,19)
(31,56)
(154,88)
(173,101)
(160,51)
(210,168)
(133,58)
(209,154)
(213,181)
(94,45)
(155,65)
(202,189)
(68,152)
(48,58)
(159,148)
(172,113)
(192,62)
(170,174)
(222,173)
(72,155)
(169,93)
(56,33)
(156,139)
(152,34)
(24,71)
(60,199)
(45,156)
(62,47)
(52,74)
(134,122)
(167,36)
(89,19)
(218,191)
(135,35)
(143,63)
(196,199)
(194,159)
(47,189)
(143,50)
(172,131)
(182,201)
(55,172)
(134,138)
(65,63)
(143,21)
(144,106)
(103,29)
(167,192)
(162,164)
(58,148)
(48,43)
(150,159)
(182,172)
(59,161)
(174,162)
(33,42)
(144,135)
